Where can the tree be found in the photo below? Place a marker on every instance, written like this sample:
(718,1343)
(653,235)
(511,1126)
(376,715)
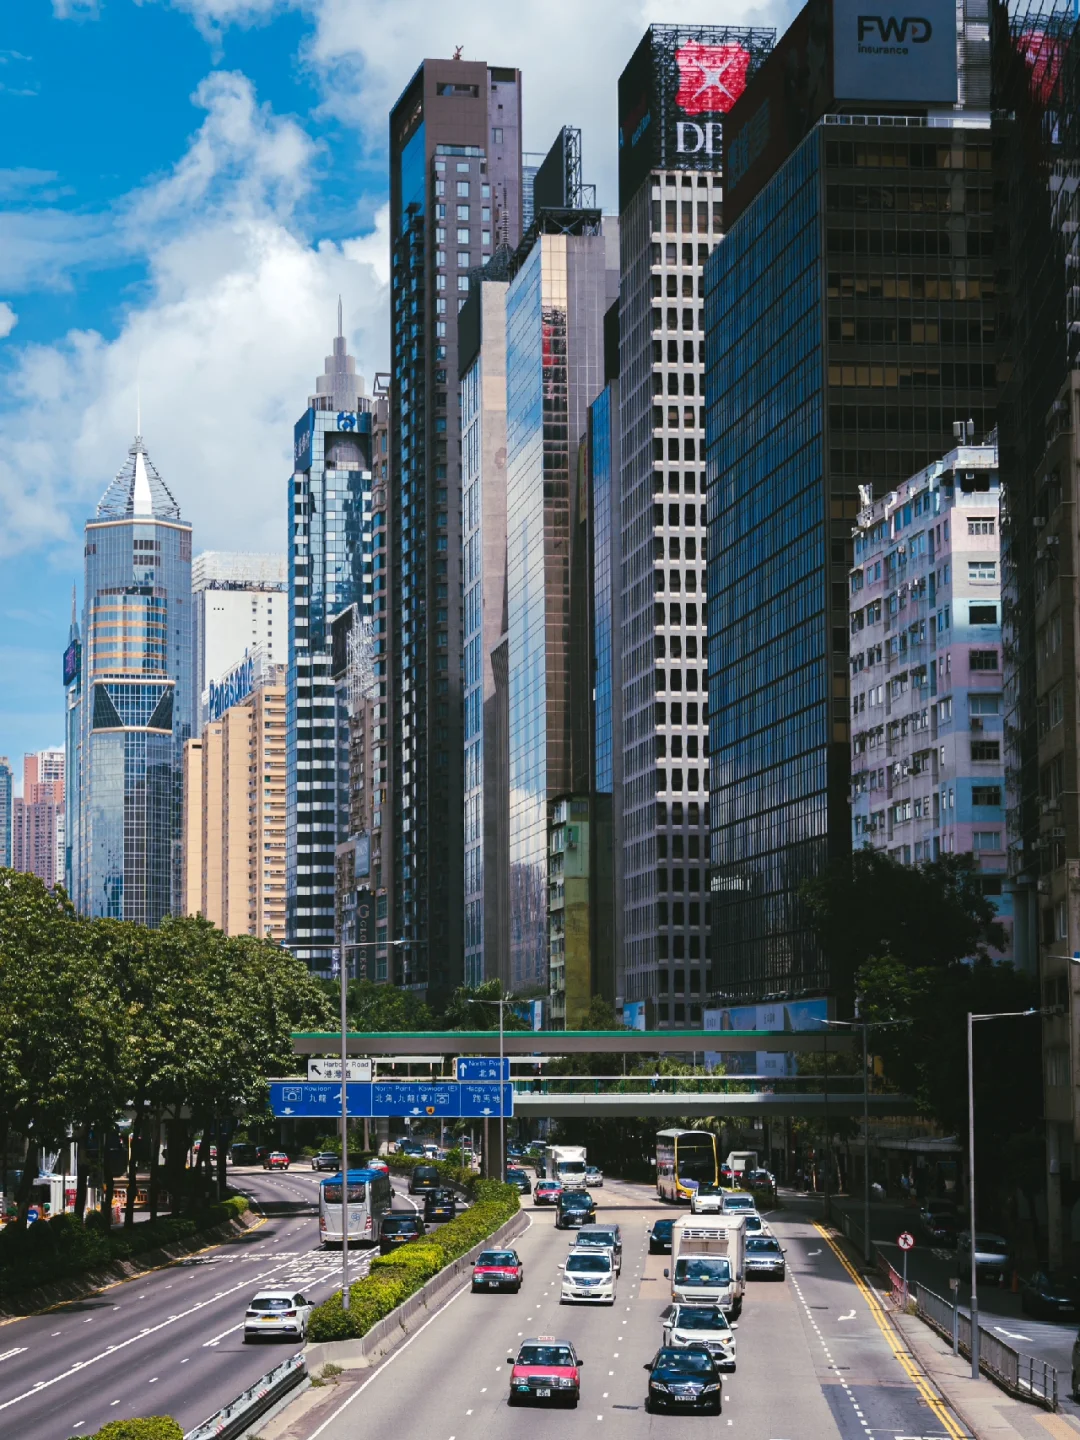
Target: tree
(463,1013)
(866,904)
(378,1008)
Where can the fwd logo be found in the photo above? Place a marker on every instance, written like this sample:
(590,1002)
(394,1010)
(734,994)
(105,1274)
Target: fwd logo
(886,29)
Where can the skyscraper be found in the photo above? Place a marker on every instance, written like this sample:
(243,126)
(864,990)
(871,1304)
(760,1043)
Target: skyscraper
(7,798)
(673,95)
(329,506)
(38,818)
(850,320)
(132,700)
(455,195)
(241,603)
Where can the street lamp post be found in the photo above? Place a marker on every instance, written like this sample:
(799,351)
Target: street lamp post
(502,1003)
(974,1306)
(344,976)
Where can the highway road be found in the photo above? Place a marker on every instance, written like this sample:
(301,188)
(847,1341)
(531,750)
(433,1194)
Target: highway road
(814,1360)
(169,1342)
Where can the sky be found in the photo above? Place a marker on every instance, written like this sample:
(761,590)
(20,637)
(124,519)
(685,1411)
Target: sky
(186,186)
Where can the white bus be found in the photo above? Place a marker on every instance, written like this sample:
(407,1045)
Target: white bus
(370,1197)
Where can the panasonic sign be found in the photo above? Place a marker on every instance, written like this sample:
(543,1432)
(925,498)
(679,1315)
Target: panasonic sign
(907,55)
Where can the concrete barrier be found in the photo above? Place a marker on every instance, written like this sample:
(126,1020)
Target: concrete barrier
(396,1327)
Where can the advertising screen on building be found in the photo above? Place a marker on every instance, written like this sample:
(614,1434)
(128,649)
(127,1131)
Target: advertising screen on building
(303,431)
(71,663)
(230,689)
(677,87)
(883,53)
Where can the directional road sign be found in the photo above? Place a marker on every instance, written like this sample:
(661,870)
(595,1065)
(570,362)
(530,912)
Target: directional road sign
(482,1067)
(323,1069)
(482,1101)
(301,1098)
(414,1097)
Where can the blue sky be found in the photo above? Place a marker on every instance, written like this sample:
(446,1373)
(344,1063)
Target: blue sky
(185,188)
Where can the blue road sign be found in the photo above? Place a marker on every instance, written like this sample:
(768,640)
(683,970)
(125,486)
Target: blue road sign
(478,1100)
(302,1099)
(482,1067)
(414,1097)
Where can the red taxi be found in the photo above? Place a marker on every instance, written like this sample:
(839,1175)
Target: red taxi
(546,1192)
(545,1369)
(498,1270)
(276,1160)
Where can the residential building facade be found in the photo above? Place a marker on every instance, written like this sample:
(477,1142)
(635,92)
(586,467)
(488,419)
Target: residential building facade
(927,749)
(455,196)
(38,818)
(234,807)
(135,700)
(330,568)
(673,95)
(7,801)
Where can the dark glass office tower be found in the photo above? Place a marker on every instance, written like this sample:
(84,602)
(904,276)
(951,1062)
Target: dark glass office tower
(850,318)
(455,194)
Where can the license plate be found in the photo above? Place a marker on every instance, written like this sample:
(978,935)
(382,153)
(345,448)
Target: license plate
(494,1284)
(543,1390)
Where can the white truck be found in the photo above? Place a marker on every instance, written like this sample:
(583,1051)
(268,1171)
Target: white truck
(708,1261)
(740,1161)
(566,1163)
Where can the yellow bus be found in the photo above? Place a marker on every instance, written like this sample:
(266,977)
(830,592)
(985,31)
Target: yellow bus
(685,1159)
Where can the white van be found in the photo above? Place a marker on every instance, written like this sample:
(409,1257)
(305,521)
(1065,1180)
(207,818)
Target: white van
(589,1275)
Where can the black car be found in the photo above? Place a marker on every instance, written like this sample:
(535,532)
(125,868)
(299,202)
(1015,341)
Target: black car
(440,1205)
(1050,1293)
(516,1176)
(660,1237)
(424,1177)
(941,1222)
(399,1230)
(684,1378)
(575,1208)
(326,1160)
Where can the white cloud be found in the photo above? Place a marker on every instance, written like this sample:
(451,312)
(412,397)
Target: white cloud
(236,318)
(8,319)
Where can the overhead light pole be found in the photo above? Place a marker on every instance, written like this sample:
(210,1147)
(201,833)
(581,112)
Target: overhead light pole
(502,1004)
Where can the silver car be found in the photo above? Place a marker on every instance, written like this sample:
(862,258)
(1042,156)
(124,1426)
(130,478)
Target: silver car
(765,1257)
(594,1177)
(277,1312)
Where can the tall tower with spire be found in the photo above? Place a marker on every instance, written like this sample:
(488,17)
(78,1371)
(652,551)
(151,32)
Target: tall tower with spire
(330,568)
(127,671)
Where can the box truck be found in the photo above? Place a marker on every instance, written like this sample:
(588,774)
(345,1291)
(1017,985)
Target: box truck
(708,1261)
(566,1163)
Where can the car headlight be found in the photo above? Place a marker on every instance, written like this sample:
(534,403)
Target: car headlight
(563,1382)
(658,1385)
(709,1389)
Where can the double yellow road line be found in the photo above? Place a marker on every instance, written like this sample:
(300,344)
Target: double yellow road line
(906,1362)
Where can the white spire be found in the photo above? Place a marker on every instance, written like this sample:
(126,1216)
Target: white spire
(339,329)
(142,502)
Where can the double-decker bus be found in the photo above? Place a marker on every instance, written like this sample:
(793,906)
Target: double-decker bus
(370,1197)
(685,1159)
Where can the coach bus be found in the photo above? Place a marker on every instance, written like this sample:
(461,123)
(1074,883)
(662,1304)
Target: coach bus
(370,1197)
(685,1159)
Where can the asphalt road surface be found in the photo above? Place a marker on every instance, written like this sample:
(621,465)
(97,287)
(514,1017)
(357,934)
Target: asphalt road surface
(814,1360)
(169,1342)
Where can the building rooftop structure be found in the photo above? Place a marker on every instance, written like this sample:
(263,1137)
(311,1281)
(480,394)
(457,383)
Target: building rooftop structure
(138,490)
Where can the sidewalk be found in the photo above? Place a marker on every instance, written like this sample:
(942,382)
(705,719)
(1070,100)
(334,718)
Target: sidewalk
(988,1412)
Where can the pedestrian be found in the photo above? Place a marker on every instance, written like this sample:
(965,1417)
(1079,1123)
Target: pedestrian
(656,1080)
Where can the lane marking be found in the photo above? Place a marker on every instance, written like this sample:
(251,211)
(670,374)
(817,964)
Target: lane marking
(881,1319)
(19,1350)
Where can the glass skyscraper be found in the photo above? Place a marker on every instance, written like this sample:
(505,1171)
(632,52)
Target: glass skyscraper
(131,701)
(555,309)
(455,196)
(330,568)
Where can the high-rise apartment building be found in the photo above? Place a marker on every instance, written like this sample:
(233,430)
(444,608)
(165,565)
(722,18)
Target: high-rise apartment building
(455,196)
(482,363)
(927,748)
(38,818)
(564,278)
(234,805)
(330,568)
(241,604)
(7,800)
(850,319)
(130,700)
(673,95)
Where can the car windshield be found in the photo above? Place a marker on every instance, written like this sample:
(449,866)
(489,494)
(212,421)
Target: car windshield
(515,1174)
(700,1317)
(497,1257)
(702,1272)
(753,1221)
(272,1302)
(694,1362)
(662,1229)
(332,1194)
(763,1244)
(706,1189)
(594,1263)
(991,1245)
(739,1202)
(576,1200)
(426,1172)
(599,1239)
(545,1355)
(396,1225)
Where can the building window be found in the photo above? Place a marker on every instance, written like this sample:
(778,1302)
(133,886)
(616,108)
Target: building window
(463,189)
(982,614)
(980,525)
(984,660)
(986,794)
(982,570)
(986,840)
(463,237)
(496,135)
(986,750)
(463,212)
(463,282)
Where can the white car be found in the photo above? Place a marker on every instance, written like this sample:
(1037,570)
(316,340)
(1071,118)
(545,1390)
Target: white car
(589,1275)
(701,1325)
(707,1200)
(277,1312)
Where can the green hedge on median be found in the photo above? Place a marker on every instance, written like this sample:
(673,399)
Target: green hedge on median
(58,1249)
(393,1278)
(153,1427)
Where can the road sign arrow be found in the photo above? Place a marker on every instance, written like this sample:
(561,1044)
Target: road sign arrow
(487,1110)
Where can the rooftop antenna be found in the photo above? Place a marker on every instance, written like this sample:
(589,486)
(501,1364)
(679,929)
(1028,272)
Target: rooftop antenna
(138,408)
(339,316)
(457,51)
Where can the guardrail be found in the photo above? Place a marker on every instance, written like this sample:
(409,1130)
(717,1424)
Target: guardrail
(232,1420)
(1025,1376)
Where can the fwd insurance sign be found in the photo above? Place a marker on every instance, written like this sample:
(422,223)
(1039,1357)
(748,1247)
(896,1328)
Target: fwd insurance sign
(902,50)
